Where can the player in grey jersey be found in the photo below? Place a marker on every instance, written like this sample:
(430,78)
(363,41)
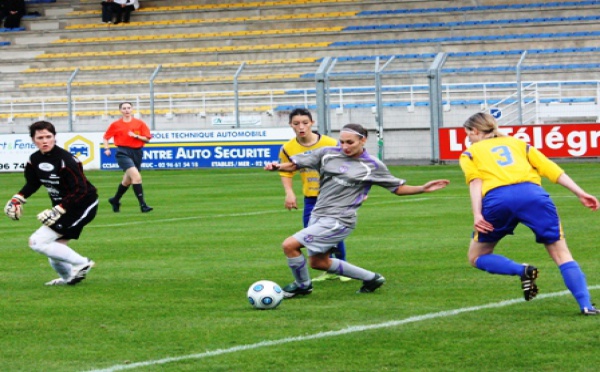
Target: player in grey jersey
(347,174)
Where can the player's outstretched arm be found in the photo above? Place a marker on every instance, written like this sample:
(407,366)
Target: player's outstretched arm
(283,167)
(430,186)
(586,199)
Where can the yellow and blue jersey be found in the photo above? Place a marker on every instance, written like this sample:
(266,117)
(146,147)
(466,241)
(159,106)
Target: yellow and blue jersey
(310,177)
(503,161)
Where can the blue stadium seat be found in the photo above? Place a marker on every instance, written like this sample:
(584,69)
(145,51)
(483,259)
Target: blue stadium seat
(482,8)
(12,29)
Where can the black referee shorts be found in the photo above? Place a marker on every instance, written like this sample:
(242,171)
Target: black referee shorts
(128,157)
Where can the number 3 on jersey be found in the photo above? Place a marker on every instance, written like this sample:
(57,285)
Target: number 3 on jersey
(505,157)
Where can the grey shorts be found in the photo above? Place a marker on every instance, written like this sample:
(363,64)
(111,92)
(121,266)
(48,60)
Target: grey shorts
(322,234)
(128,157)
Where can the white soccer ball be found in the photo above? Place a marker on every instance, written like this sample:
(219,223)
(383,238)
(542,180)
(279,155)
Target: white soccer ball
(265,294)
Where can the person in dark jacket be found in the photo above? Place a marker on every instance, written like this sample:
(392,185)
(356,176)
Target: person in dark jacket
(11,11)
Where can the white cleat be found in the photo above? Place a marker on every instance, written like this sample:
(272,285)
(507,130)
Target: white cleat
(57,281)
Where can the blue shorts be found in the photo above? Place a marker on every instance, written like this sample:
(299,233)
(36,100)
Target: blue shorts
(527,203)
(309,205)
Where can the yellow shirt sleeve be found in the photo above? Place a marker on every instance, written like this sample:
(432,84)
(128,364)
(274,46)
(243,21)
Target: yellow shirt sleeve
(283,158)
(544,166)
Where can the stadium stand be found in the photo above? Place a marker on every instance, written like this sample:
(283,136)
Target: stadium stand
(196,49)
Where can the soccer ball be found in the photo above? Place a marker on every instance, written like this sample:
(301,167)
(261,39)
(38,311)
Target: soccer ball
(265,294)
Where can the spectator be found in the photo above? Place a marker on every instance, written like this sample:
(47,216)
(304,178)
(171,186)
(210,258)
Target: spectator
(124,9)
(2,11)
(13,11)
(109,8)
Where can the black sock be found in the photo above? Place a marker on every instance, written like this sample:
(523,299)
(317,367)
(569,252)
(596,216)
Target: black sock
(139,192)
(120,191)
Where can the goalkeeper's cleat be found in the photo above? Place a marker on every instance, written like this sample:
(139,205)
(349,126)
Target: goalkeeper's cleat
(292,290)
(325,276)
(79,272)
(371,285)
(145,208)
(590,311)
(530,289)
(57,281)
(116,205)
(345,278)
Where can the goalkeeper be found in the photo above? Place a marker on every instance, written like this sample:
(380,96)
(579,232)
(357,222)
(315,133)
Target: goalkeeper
(74,204)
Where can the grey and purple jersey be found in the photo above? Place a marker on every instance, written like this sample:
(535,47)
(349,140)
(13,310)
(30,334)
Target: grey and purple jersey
(345,181)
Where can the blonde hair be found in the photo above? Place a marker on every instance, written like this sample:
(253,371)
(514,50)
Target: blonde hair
(484,123)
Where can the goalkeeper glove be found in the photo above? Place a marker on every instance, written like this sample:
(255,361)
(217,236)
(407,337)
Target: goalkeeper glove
(50,216)
(14,207)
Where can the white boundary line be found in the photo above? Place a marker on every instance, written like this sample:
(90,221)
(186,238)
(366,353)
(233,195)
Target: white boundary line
(344,331)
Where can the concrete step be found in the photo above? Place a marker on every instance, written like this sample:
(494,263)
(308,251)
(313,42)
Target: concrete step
(13,68)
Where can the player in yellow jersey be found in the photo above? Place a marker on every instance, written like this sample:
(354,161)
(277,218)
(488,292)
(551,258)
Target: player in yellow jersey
(504,178)
(306,140)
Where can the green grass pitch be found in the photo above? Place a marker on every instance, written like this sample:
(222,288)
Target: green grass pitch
(169,289)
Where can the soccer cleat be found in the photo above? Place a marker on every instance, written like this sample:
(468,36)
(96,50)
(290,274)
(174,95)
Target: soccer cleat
(79,272)
(116,205)
(530,289)
(590,311)
(57,281)
(371,285)
(325,276)
(292,290)
(345,278)
(145,209)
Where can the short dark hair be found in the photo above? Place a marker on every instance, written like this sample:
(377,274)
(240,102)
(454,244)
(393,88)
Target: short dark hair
(41,125)
(123,103)
(358,129)
(300,112)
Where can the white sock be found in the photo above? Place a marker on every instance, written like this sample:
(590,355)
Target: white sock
(61,252)
(62,268)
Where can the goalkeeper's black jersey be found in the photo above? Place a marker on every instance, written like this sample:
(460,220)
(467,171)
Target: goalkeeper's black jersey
(62,175)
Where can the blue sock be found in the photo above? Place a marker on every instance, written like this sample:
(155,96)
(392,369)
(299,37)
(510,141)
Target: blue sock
(575,281)
(496,264)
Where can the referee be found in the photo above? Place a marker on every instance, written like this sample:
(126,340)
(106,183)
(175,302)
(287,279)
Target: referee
(129,135)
